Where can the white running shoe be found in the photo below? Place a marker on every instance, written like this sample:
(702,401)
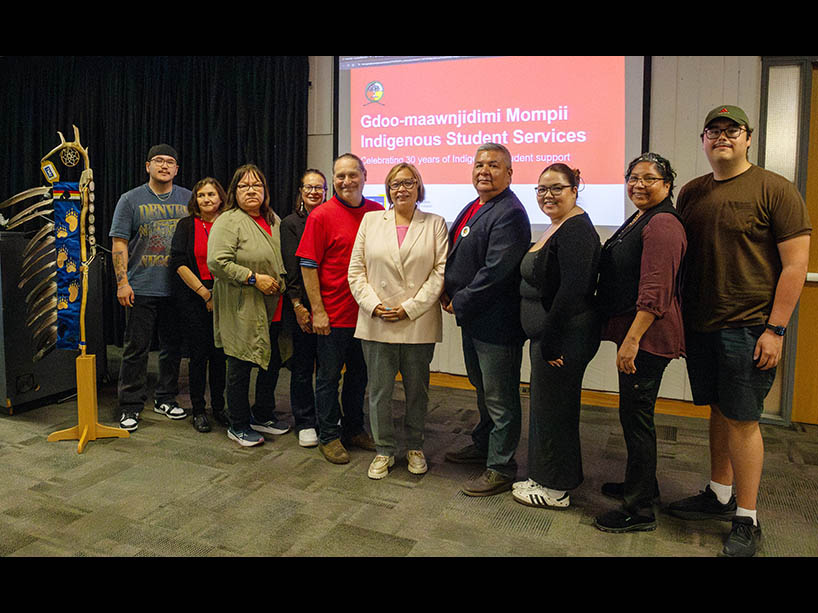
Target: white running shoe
(307,437)
(540,497)
(524,485)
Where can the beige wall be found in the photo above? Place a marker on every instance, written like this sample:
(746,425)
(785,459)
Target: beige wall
(319,122)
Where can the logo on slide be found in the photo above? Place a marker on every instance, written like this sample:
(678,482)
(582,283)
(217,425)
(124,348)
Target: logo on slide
(374,92)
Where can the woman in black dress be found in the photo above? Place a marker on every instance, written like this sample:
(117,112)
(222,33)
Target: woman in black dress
(557,312)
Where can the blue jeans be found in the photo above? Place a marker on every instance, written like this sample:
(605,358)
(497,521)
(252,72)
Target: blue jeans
(146,314)
(494,370)
(722,371)
(338,349)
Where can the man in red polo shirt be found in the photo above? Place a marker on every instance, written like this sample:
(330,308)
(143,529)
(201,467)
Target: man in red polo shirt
(324,253)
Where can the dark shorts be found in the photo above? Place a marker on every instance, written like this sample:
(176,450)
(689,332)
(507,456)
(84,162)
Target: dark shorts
(723,372)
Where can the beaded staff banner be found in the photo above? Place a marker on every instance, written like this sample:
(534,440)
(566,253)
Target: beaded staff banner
(67,207)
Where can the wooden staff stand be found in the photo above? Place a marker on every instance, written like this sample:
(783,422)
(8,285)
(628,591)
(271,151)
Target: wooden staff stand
(88,428)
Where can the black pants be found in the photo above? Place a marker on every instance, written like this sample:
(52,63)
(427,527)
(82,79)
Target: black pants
(239,411)
(205,358)
(146,314)
(554,453)
(637,401)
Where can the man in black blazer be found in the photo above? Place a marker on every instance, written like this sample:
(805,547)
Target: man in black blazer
(482,289)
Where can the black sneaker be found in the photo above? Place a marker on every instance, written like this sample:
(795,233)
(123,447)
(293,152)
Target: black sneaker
(744,538)
(200,422)
(620,521)
(129,420)
(704,505)
(169,408)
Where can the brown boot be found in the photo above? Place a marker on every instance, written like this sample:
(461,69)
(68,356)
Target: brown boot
(488,484)
(362,440)
(334,452)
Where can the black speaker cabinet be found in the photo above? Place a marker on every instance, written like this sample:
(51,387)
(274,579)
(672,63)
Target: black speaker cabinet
(25,384)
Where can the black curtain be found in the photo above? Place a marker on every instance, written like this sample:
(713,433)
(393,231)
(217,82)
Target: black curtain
(217,112)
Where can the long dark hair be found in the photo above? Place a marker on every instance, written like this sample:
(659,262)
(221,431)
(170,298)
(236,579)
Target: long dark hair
(265,211)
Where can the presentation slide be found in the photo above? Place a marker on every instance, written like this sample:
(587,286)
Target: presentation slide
(434,112)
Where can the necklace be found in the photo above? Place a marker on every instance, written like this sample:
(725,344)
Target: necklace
(633,221)
(163,197)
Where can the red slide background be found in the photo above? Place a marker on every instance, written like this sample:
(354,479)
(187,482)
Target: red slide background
(587,94)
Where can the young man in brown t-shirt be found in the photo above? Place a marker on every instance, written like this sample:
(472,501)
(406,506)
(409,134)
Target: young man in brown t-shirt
(748,248)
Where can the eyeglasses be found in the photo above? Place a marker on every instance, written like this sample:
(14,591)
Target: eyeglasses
(164,162)
(246,187)
(555,190)
(313,188)
(407,183)
(646,181)
(731,132)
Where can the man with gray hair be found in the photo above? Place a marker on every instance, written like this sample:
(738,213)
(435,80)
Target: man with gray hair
(324,252)
(487,241)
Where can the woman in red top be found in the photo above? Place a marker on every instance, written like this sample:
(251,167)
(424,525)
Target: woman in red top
(192,288)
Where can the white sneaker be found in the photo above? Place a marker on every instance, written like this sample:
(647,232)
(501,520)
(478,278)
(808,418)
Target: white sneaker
(308,437)
(540,497)
(417,462)
(524,485)
(380,466)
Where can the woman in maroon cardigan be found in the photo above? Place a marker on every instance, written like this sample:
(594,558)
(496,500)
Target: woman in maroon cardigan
(192,287)
(638,297)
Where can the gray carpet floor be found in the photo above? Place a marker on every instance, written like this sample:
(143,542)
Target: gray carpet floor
(168,490)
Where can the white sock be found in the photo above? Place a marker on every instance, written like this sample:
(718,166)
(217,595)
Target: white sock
(740,512)
(722,492)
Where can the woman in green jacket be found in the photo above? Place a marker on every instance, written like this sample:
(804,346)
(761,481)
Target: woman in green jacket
(244,256)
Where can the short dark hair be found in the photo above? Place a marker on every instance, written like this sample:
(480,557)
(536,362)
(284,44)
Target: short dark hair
(299,200)
(662,165)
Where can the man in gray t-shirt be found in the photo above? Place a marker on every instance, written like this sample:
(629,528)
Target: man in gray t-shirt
(141,232)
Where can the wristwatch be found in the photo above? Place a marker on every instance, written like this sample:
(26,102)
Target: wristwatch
(252,279)
(779,330)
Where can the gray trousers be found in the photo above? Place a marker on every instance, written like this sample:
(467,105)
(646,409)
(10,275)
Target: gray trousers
(383,362)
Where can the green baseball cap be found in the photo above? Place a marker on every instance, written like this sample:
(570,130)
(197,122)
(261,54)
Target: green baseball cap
(730,112)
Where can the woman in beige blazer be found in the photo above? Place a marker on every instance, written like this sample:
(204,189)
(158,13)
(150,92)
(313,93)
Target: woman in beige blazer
(396,276)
